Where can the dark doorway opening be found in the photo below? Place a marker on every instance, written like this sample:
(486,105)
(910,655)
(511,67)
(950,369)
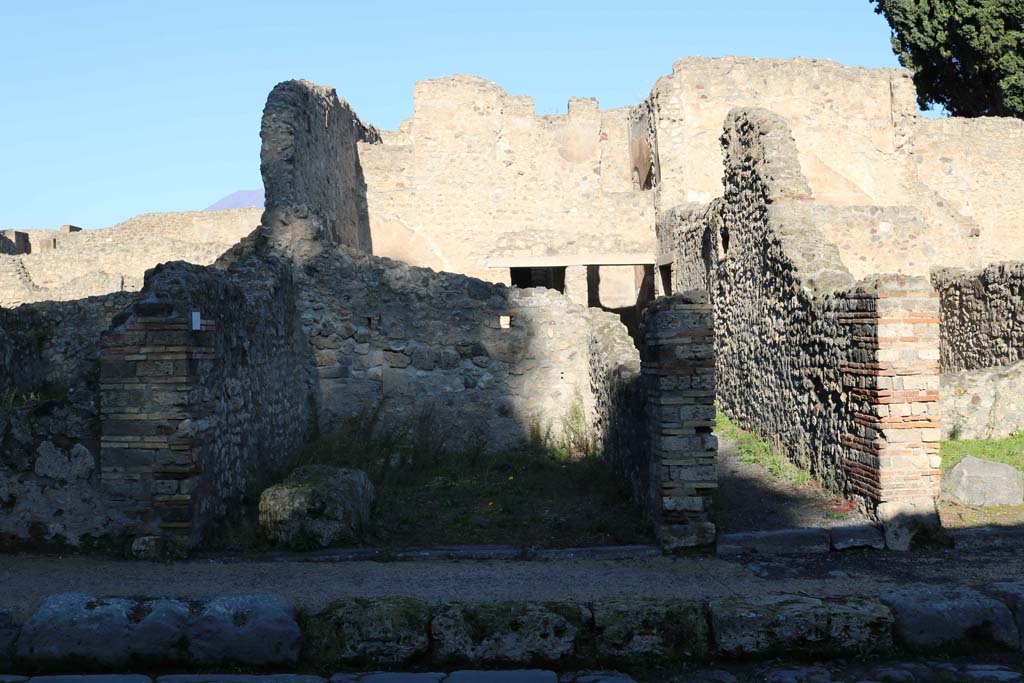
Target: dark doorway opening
(550,278)
(666,279)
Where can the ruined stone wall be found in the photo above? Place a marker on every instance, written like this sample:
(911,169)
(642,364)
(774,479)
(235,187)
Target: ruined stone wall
(97,262)
(840,376)
(50,492)
(620,396)
(961,172)
(982,349)
(197,421)
(985,403)
(846,122)
(982,316)
(482,362)
(309,159)
(896,193)
(485,360)
(476,178)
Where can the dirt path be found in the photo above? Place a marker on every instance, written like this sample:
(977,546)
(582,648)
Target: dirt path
(750,498)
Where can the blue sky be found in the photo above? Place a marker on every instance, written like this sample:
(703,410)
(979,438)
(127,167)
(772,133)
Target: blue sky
(111,109)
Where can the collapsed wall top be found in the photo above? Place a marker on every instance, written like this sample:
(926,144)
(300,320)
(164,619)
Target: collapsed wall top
(310,164)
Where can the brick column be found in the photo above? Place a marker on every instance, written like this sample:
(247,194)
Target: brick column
(892,381)
(149,370)
(678,365)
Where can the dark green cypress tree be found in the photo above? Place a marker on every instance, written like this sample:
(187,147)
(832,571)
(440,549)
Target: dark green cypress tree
(966,55)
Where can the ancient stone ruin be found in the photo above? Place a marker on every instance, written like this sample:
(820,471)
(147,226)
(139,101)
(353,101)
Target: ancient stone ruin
(787,238)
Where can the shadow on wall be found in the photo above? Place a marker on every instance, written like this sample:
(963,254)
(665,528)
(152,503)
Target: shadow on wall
(50,492)
(487,361)
(643,283)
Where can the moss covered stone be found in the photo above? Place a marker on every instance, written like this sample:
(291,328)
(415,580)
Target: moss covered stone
(650,632)
(359,631)
(510,633)
(794,625)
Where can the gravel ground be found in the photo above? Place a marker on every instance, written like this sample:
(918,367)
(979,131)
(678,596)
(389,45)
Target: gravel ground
(26,579)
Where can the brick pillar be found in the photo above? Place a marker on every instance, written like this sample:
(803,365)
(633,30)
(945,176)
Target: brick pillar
(678,365)
(149,370)
(892,380)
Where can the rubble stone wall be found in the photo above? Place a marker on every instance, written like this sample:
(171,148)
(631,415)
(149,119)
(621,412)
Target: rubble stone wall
(982,316)
(50,426)
(895,192)
(309,159)
(982,349)
(97,262)
(846,122)
(806,356)
(986,403)
(480,360)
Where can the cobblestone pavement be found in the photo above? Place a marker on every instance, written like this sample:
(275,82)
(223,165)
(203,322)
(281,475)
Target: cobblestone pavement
(886,672)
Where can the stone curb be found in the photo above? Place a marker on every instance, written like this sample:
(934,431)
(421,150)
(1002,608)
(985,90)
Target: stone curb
(795,541)
(76,633)
(468,552)
(800,541)
(464,676)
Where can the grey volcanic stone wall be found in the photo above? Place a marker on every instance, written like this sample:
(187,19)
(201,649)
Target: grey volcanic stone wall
(309,159)
(484,361)
(982,349)
(619,406)
(807,358)
(247,405)
(982,316)
(987,403)
(774,284)
(50,424)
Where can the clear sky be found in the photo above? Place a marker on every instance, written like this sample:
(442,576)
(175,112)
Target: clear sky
(110,109)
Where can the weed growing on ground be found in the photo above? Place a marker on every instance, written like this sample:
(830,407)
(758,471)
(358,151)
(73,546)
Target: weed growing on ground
(955,432)
(754,450)
(1009,450)
(435,489)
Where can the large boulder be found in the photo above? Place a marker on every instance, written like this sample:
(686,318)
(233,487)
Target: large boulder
(318,506)
(983,483)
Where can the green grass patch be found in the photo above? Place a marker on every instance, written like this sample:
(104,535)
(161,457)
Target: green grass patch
(549,493)
(1009,450)
(754,450)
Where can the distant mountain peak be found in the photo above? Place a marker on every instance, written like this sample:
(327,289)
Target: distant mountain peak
(241,199)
